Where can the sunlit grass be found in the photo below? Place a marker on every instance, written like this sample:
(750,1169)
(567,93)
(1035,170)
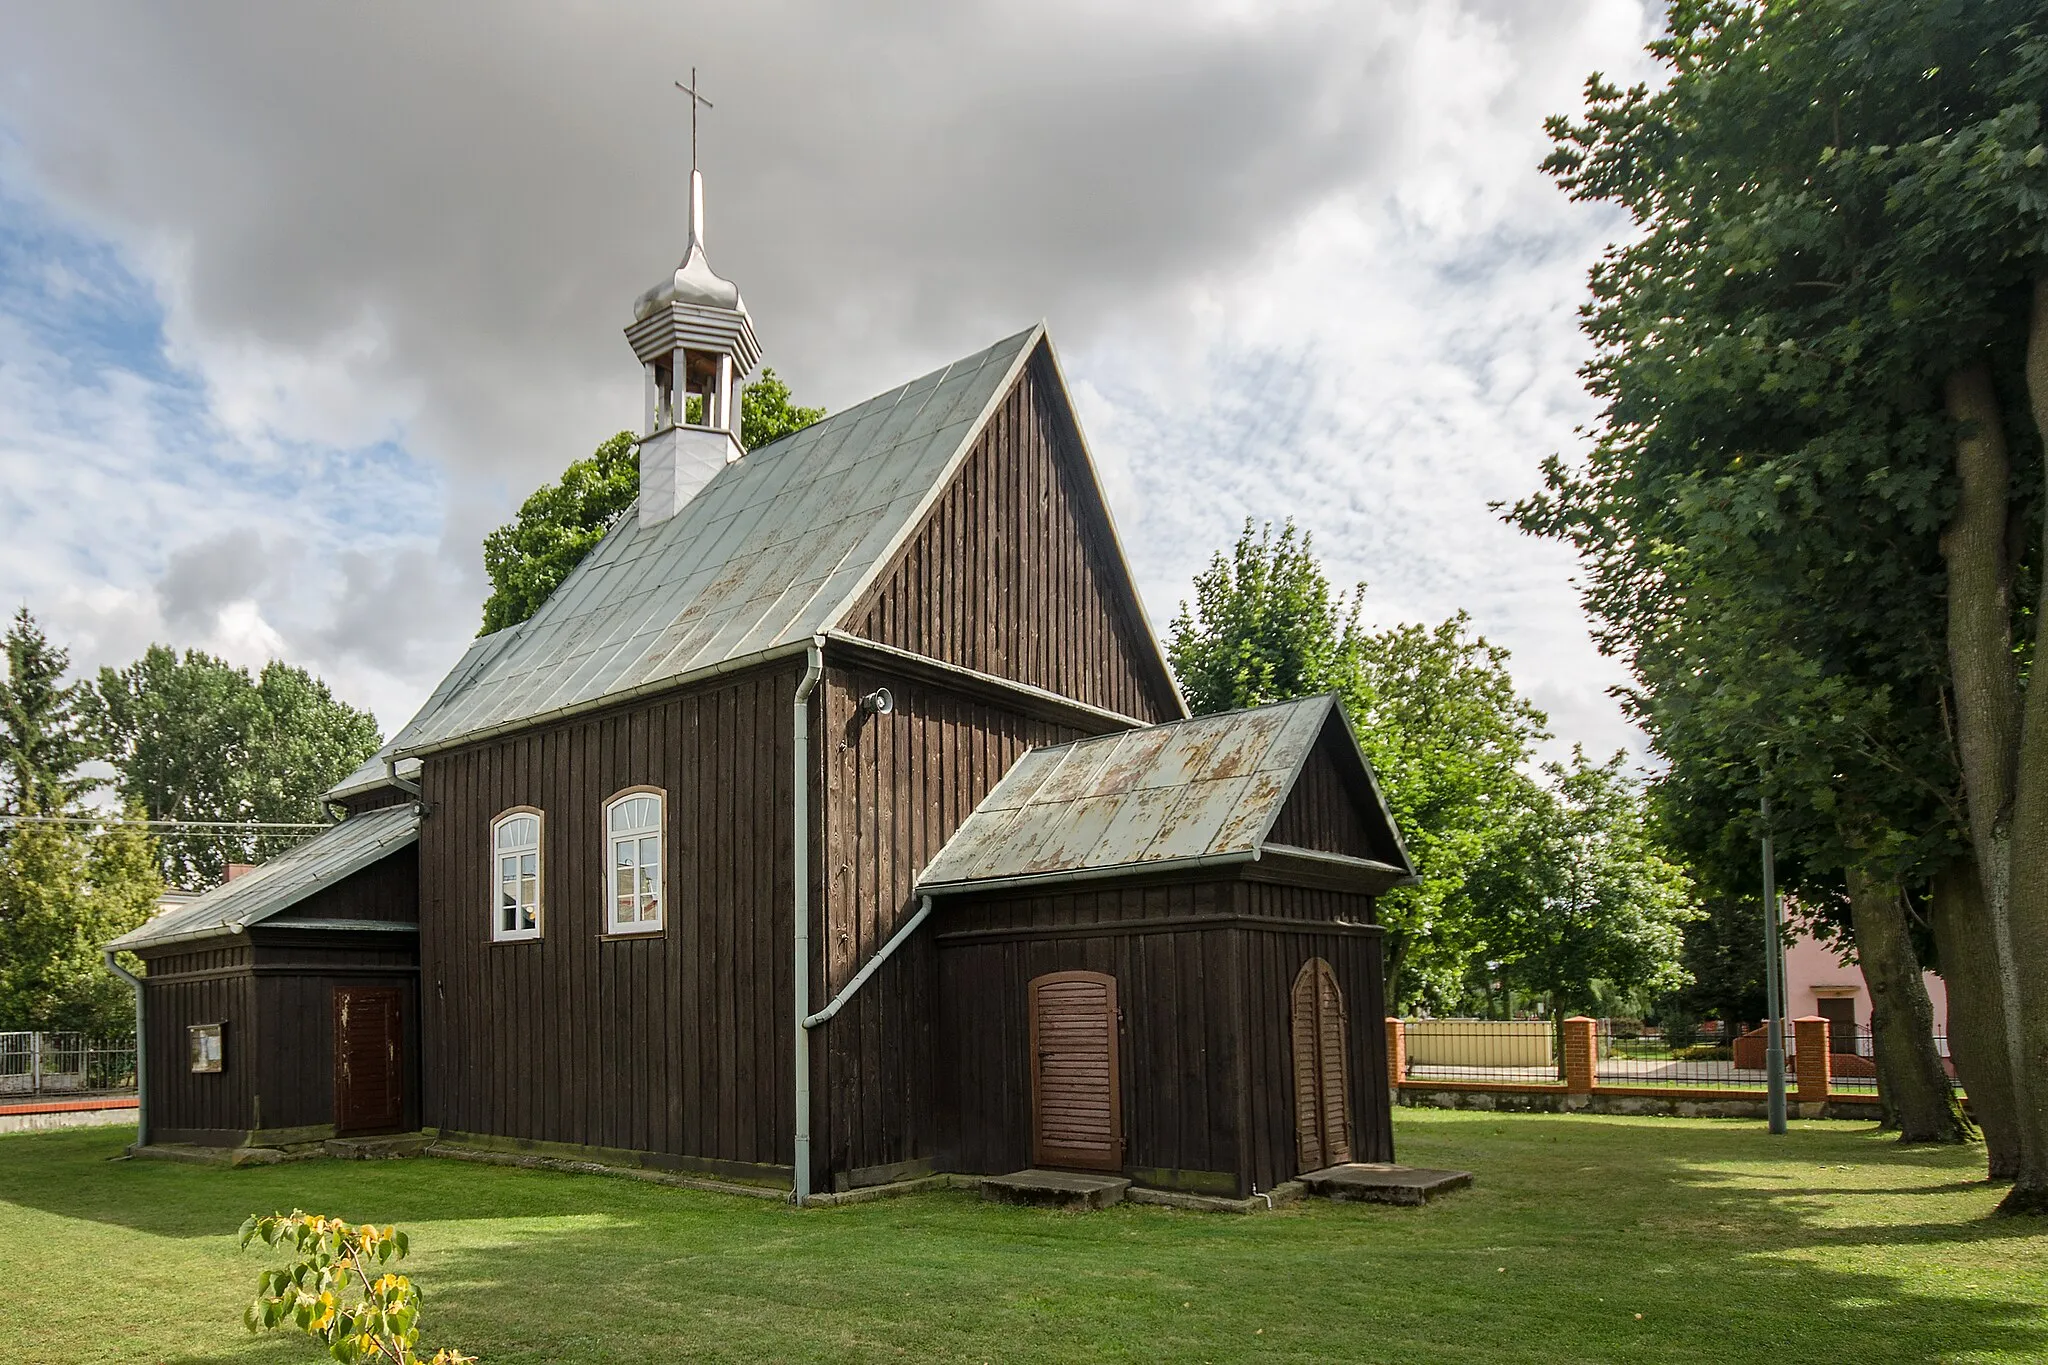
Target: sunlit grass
(1586,1238)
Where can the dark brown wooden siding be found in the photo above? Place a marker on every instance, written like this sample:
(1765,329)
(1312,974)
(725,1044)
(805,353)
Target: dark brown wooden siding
(1015,571)
(1178,1047)
(387,890)
(1271,960)
(676,1044)
(297,973)
(206,984)
(1205,970)
(894,789)
(375,800)
(1332,807)
(273,988)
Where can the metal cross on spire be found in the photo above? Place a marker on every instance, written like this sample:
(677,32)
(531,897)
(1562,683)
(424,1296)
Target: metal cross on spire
(695,100)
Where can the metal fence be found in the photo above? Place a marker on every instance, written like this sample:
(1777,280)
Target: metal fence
(1494,1051)
(1525,1052)
(64,1064)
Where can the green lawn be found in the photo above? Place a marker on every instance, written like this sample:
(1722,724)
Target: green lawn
(1585,1239)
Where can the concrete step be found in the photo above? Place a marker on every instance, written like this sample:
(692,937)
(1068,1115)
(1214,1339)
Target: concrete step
(381,1148)
(1055,1189)
(1376,1182)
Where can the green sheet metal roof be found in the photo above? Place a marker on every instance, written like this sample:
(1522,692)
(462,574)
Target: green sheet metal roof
(1185,793)
(771,552)
(284,881)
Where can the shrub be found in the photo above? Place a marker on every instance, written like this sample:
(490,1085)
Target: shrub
(1630,1029)
(327,1292)
(1702,1052)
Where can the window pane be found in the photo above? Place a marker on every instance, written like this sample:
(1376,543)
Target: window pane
(508,868)
(650,852)
(529,865)
(526,918)
(636,813)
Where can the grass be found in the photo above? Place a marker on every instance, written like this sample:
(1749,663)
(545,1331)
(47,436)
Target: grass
(1586,1238)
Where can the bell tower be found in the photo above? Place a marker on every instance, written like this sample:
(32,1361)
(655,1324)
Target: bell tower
(696,344)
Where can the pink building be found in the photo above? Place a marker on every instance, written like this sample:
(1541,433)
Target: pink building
(1819,982)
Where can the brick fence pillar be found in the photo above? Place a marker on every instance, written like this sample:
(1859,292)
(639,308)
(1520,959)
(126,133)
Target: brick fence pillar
(1579,1055)
(1810,1054)
(1397,1056)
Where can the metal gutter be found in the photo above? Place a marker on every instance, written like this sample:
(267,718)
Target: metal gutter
(1086,874)
(1052,701)
(860,977)
(1342,862)
(141,1071)
(800,857)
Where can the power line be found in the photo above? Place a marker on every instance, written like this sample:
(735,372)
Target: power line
(215,825)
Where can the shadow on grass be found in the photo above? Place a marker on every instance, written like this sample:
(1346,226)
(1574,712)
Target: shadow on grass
(1715,1235)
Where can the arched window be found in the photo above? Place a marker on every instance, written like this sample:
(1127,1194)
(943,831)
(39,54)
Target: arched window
(633,825)
(515,860)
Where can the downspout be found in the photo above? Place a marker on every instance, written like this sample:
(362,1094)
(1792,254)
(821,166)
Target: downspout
(141,1071)
(800,976)
(846,992)
(411,789)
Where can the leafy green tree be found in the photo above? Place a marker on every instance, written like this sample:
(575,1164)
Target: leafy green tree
(44,739)
(560,523)
(1435,710)
(1812,511)
(65,893)
(196,738)
(1582,894)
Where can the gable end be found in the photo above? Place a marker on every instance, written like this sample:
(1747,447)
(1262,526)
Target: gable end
(1015,571)
(1332,808)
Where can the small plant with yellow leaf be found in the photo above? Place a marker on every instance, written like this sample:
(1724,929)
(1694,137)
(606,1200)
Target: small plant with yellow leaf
(338,1289)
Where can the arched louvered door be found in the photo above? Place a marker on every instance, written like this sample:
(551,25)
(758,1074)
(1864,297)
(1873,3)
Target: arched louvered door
(1322,1081)
(1076,1096)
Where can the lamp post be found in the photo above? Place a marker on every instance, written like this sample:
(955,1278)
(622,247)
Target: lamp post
(1774,978)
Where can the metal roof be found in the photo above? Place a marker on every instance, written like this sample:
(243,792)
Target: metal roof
(1188,792)
(284,881)
(770,553)
(371,775)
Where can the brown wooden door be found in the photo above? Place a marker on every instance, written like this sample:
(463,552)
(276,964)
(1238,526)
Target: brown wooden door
(369,1059)
(1076,1098)
(1322,1082)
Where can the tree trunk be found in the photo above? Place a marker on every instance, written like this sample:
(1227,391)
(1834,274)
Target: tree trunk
(1914,1082)
(1976,1028)
(2026,919)
(1396,958)
(1984,675)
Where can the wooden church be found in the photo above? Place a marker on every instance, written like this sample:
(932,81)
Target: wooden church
(836,821)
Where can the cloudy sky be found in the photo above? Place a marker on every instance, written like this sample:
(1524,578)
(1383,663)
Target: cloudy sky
(296,302)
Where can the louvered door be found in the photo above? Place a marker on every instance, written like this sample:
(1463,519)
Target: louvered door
(1322,1091)
(369,1060)
(1076,1101)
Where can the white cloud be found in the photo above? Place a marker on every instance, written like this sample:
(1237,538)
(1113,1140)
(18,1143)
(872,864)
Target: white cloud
(1297,258)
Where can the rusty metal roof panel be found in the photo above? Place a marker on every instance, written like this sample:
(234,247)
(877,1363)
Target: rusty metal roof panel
(1205,789)
(769,554)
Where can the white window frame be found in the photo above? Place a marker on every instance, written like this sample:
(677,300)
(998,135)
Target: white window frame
(650,879)
(499,933)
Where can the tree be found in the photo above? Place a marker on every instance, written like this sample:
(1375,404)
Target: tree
(1435,710)
(1813,353)
(64,895)
(43,737)
(560,523)
(195,738)
(1582,893)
